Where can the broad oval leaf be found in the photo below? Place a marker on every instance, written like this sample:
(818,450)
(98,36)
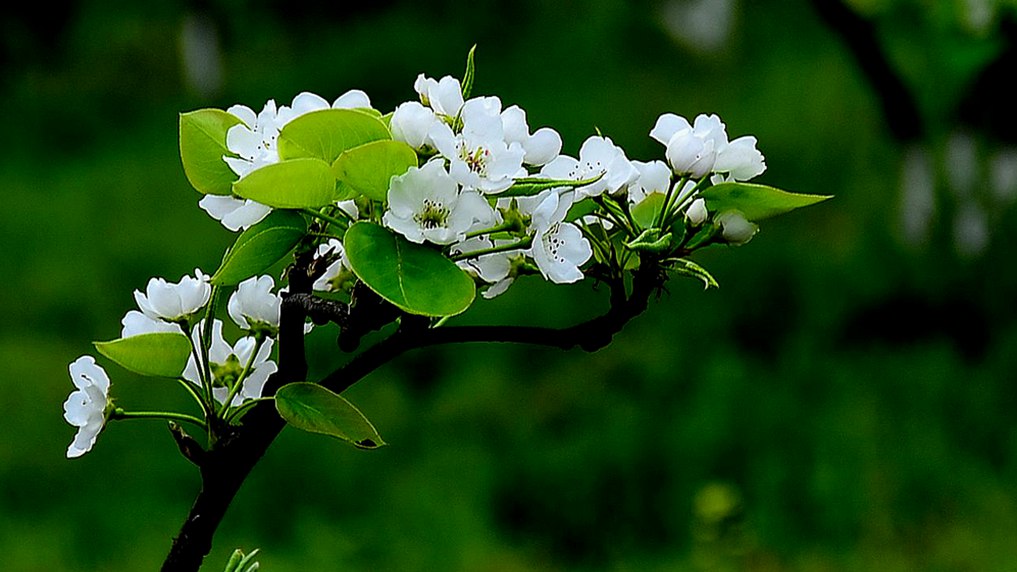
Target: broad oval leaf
(411,276)
(310,407)
(162,354)
(202,146)
(646,211)
(296,184)
(260,246)
(756,202)
(369,168)
(326,133)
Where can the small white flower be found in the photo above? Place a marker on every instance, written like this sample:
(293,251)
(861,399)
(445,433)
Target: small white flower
(235,214)
(740,159)
(735,228)
(540,148)
(426,204)
(654,177)
(325,282)
(227,364)
(172,302)
(253,302)
(597,155)
(352,99)
(479,158)
(85,407)
(559,251)
(411,123)
(490,268)
(697,213)
(136,323)
(701,148)
(444,96)
(254,140)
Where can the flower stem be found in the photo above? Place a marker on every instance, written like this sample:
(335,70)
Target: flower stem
(236,413)
(684,200)
(239,383)
(507,225)
(343,224)
(658,221)
(119,414)
(524,243)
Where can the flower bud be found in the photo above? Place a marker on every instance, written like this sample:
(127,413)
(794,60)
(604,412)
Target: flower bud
(735,228)
(697,213)
(691,155)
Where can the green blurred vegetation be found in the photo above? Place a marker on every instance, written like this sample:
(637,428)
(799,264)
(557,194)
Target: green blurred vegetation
(845,400)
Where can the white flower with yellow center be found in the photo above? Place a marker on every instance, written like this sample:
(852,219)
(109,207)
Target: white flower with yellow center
(426,204)
(598,156)
(227,364)
(478,156)
(174,302)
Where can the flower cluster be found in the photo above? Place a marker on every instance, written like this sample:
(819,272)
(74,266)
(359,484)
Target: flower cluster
(232,375)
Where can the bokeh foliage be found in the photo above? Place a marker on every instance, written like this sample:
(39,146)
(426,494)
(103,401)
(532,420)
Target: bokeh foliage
(843,401)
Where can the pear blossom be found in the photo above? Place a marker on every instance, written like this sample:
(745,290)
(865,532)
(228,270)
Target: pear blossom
(136,323)
(426,204)
(702,147)
(412,123)
(327,281)
(173,302)
(598,155)
(654,177)
(490,268)
(227,363)
(559,248)
(444,96)
(254,305)
(539,148)
(85,407)
(735,228)
(254,139)
(235,214)
(478,156)
(696,212)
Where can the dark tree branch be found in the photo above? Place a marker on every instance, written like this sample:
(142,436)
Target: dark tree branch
(225,467)
(900,110)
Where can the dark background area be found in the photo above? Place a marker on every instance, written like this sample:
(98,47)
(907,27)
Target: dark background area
(844,401)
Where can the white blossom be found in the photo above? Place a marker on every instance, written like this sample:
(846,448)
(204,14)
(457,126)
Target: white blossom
(597,155)
(136,323)
(654,177)
(411,123)
(235,214)
(171,302)
(253,302)
(426,204)
(703,147)
(478,156)
(227,363)
(540,148)
(444,96)
(254,139)
(85,407)
(333,247)
(696,212)
(740,159)
(559,248)
(735,228)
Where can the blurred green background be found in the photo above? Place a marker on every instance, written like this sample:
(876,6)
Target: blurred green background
(845,401)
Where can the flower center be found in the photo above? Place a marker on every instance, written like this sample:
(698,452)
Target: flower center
(433,215)
(476,160)
(553,243)
(226,374)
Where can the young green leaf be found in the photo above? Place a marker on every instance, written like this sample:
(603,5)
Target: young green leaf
(202,146)
(529,186)
(294,184)
(413,277)
(468,76)
(161,354)
(645,212)
(756,202)
(312,408)
(260,246)
(369,167)
(325,134)
(686,267)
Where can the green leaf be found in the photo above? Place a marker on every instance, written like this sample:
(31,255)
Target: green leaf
(260,246)
(415,278)
(645,213)
(369,167)
(581,209)
(756,202)
(686,267)
(529,186)
(202,146)
(325,134)
(468,76)
(161,354)
(312,408)
(294,184)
